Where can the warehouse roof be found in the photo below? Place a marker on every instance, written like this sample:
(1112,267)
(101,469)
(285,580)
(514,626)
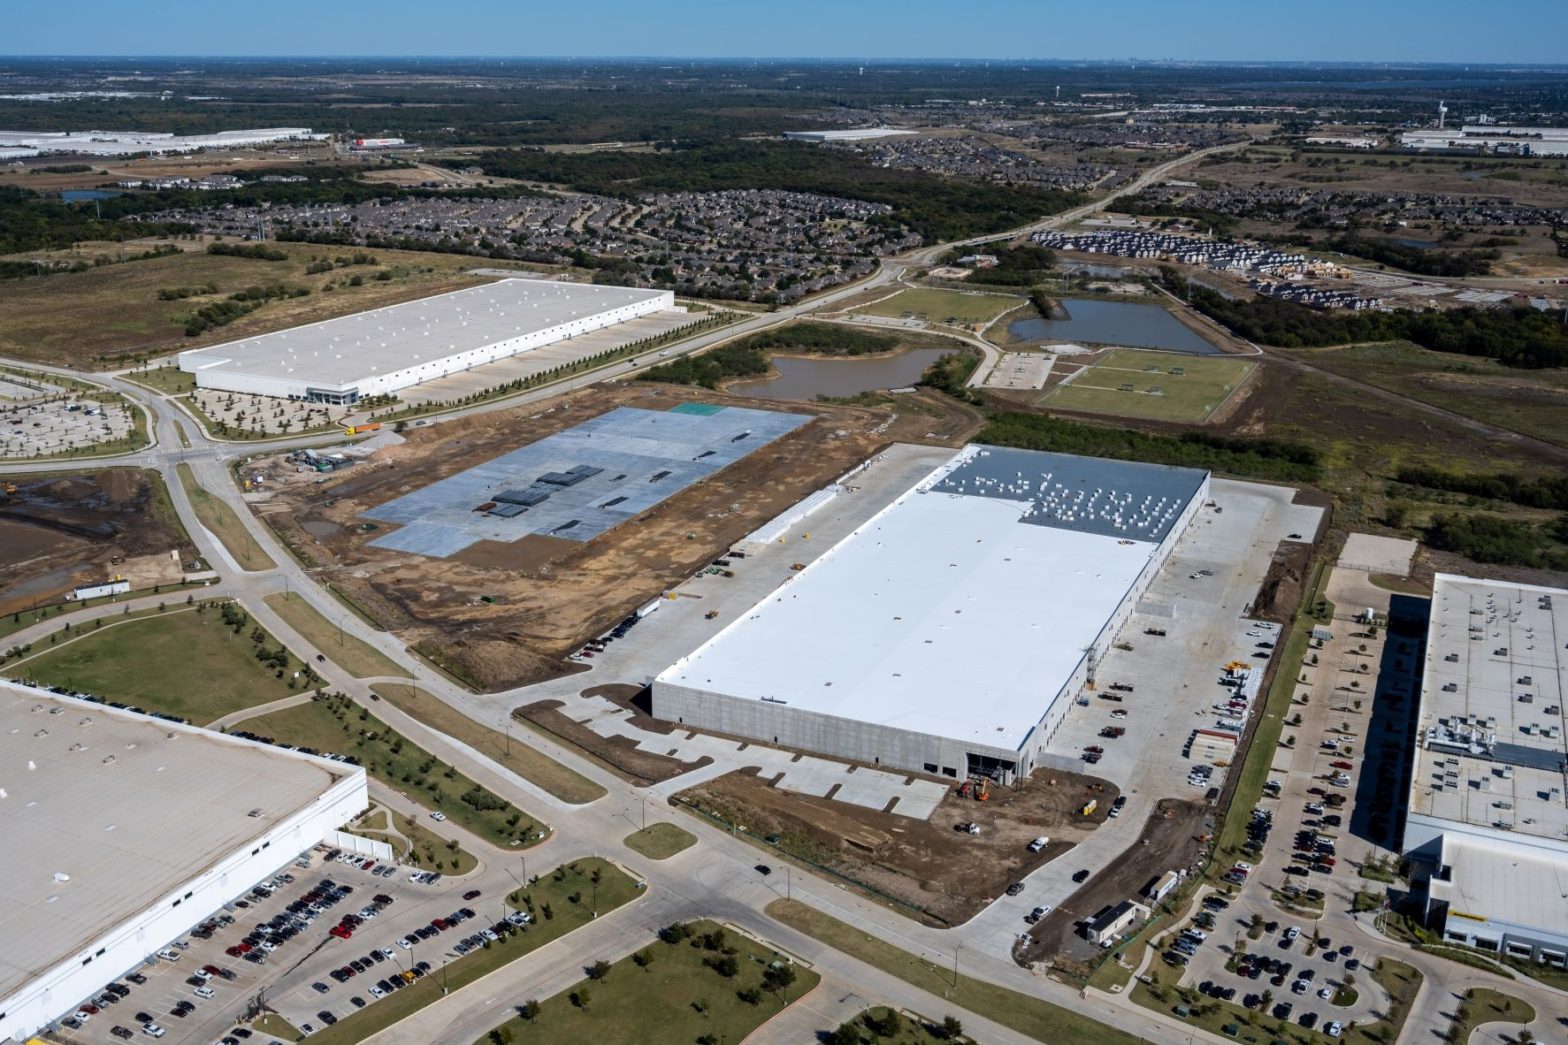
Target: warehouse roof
(1493,748)
(337,352)
(105,812)
(1503,884)
(948,613)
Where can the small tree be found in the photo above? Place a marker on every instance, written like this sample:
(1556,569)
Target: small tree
(530,1010)
(642,959)
(599,970)
(951,1027)
(580,998)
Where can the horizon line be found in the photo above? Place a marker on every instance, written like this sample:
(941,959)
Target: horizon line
(1340,63)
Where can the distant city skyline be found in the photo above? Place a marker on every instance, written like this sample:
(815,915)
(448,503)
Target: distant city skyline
(1526,32)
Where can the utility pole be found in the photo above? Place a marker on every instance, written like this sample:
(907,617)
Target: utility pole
(956,949)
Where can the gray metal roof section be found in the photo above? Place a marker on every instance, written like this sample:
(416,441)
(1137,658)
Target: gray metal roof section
(1125,499)
(622,462)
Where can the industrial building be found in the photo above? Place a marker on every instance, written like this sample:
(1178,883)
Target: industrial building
(122,831)
(376,353)
(132,143)
(1487,826)
(1491,138)
(852,134)
(950,632)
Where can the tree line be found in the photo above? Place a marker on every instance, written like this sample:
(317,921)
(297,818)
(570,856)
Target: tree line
(1519,337)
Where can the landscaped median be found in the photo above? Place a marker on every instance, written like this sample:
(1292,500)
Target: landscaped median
(219,518)
(694,982)
(1037,1018)
(660,841)
(354,656)
(517,755)
(335,723)
(565,899)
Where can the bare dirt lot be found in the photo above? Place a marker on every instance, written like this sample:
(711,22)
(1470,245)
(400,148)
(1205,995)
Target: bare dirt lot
(497,628)
(1170,840)
(618,753)
(929,864)
(60,531)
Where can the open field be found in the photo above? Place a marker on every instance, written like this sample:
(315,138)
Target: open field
(1533,402)
(93,318)
(931,866)
(660,841)
(881,1025)
(218,517)
(1165,387)
(359,659)
(1035,1017)
(337,725)
(485,614)
(63,530)
(187,662)
(669,992)
(943,306)
(526,761)
(565,891)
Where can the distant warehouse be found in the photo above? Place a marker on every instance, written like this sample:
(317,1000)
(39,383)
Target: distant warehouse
(952,631)
(344,360)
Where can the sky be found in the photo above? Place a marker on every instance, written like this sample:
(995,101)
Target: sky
(1506,31)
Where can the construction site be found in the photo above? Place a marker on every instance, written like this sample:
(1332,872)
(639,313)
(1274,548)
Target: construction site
(59,532)
(454,570)
(946,869)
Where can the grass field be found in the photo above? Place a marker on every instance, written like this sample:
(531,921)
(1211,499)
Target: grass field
(276,1026)
(526,761)
(1034,1017)
(678,994)
(337,724)
(167,379)
(1484,1005)
(225,525)
(1204,384)
(114,312)
(1534,402)
(358,659)
(660,841)
(183,662)
(564,891)
(943,306)
(881,1025)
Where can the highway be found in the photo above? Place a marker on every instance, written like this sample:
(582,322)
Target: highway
(716,877)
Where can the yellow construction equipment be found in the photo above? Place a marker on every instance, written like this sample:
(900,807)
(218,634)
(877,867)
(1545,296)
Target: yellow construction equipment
(1089,807)
(983,792)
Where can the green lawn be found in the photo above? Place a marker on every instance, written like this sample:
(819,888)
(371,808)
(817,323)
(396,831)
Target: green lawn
(1157,393)
(555,891)
(358,659)
(337,724)
(184,662)
(1534,402)
(276,1026)
(943,306)
(668,992)
(1032,1016)
(660,841)
(168,379)
(512,752)
(1484,1005)
(218,517)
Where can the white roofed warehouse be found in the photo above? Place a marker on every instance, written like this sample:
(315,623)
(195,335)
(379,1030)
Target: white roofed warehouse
(376,353)
(949,633)
(123,831)
(1487,824)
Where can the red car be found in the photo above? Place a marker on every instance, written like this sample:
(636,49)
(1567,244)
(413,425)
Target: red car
(233,952)
(1342,765)
(341,933)
(472,894)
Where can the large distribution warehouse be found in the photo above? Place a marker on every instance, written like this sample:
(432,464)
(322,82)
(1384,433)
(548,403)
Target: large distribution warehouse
(342,361)
(123,831)
(1487,822)
(950,633)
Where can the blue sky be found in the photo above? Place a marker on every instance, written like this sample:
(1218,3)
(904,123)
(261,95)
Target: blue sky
(1510,31)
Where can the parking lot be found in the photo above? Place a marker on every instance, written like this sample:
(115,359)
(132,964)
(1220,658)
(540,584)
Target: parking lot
(295,937)
(42,427)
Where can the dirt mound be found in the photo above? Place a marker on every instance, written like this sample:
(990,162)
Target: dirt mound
(1282,587)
